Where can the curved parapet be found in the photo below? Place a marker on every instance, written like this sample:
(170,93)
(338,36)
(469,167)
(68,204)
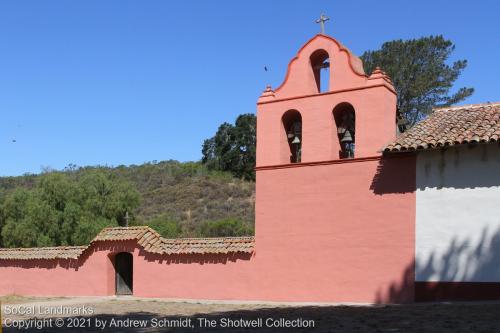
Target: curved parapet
(346,70)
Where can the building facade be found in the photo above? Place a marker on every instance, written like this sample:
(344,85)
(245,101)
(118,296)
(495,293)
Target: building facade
(346,209)
(457,226)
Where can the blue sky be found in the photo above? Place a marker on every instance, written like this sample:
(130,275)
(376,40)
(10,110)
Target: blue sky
(123,82)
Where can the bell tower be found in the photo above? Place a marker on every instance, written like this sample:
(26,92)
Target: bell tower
(353,118)
(324,217)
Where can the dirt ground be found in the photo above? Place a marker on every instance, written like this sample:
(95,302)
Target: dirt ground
(155,315)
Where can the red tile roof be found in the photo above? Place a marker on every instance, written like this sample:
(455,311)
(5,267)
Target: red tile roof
(475,123)
(60,252)
(208,245)
(146,237)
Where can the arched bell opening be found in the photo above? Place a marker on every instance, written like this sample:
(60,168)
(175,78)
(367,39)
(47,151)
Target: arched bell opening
(320,64)
(345,121)
(292,125)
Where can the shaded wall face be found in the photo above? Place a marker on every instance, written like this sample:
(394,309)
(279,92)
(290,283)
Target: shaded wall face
(338,232)
(458,215)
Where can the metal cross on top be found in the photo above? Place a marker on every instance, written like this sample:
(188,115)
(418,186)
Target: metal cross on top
(322,19)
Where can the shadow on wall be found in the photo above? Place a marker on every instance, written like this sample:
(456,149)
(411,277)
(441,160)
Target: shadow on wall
(458,245)
(194,258)
(74,264)
(114,247)
(444,168)
(395,174)
(439,275)
(451,167)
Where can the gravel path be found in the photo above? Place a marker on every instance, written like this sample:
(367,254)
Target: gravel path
(128,314)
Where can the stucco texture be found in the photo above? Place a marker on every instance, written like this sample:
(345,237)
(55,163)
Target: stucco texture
(458,214)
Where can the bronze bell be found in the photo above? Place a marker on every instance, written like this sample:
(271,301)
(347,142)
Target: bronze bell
(347,138)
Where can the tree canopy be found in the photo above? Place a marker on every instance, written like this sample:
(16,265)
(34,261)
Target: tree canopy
(233,148)
(229,227)
(420,73)
(62,209)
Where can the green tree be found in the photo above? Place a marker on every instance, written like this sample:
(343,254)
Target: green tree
(63,209)
(421,75)
(225,228)
(165,226)
(233,148)
(2,216)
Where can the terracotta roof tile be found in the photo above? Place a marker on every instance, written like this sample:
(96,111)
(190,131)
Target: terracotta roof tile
(146,237)
(208,245)
(61,252)
(475,123)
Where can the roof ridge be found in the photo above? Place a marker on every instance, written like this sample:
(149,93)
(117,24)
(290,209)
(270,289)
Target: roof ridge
(469,106)
(208,238)
(451,126)
(44,248)
(129,227)
(144,236)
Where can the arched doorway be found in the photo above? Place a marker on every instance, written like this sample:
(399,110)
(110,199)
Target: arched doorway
(124,273)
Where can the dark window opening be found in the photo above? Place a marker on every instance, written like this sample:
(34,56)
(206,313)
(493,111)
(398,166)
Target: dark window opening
(345,119)
(292,123)
(320,63)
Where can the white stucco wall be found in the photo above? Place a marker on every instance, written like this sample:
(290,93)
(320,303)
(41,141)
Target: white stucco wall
(458,215)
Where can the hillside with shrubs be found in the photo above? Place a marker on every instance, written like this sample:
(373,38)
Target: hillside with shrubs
(70,206)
